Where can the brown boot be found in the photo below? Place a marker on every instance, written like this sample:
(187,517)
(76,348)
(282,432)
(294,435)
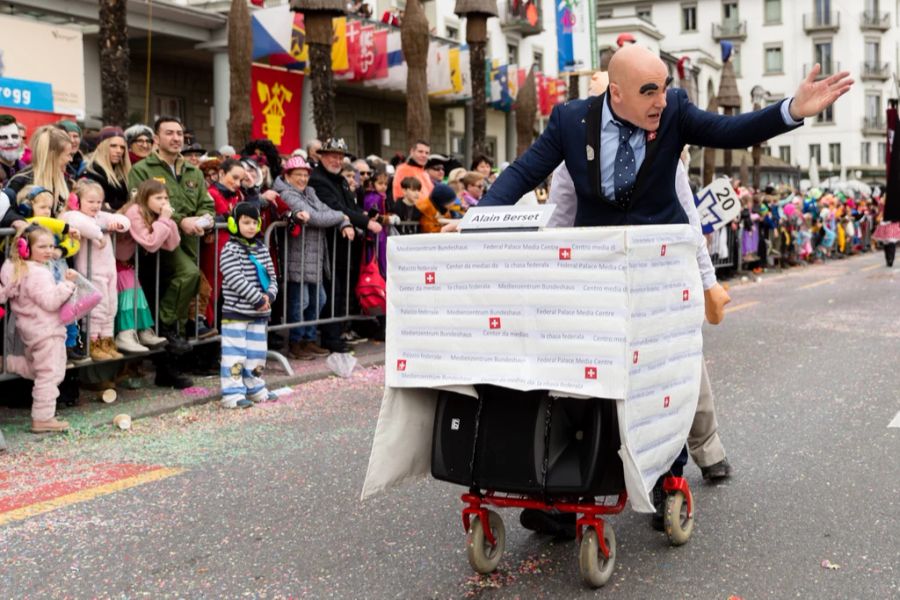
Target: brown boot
(298,351)
(98,350)
(317,349)
(51,426)
(110,346)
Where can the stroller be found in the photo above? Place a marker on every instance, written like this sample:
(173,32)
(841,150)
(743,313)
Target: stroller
(530,450)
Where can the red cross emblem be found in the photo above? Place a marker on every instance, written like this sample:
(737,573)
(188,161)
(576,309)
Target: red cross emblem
(401,364)
(590,372)
(634,358)
(685,296)
(494,323)
(666,402)
(429,278)
(565,254)
(662,251)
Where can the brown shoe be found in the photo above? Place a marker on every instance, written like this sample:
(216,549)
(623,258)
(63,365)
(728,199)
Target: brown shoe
(98,350)
(316,349)
(51,426)
(109,345)
(298,351)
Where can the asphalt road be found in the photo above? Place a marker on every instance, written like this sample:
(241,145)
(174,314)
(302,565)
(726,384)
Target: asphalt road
(264,503)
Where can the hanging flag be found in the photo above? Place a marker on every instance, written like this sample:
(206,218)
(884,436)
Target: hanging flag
(455,73)
(465,67)
(562,90)
(340,61)
(271,32)
(439,81)
(397,69)
(540,83)
(512,81)
(353,35)
(275,102)
(500,85)
(365,54)
(298,56)
(565,26)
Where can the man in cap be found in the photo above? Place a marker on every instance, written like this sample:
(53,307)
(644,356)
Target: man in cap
(435,167)
(333,190)
(193,153)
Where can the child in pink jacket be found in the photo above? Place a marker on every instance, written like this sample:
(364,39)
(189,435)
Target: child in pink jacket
(35,298)
(95,226)
(150,216)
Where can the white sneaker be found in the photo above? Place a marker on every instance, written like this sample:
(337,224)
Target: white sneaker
(127,341)
(150,339)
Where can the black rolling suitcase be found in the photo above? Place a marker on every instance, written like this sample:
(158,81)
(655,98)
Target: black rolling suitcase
(527,443)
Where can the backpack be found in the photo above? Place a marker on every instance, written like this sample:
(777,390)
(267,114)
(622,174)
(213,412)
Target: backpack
(371,289)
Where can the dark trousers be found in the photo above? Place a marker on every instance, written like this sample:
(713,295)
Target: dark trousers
(889,251)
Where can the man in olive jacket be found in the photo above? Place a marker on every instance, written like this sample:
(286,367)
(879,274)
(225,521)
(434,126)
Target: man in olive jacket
(193,210)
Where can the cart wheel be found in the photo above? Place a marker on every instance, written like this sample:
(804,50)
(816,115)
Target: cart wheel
(483,557)
(679,525)
(595,568)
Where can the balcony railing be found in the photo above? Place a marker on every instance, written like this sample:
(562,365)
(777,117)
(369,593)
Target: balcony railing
(873,126)
(875,21)
(874,71)
(729,31)
(815,22)
(828,69)
(522,17)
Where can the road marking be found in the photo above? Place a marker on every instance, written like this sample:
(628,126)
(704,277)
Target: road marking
(817,284)
(39,508)
(896,421)
(870,267)
(738,307)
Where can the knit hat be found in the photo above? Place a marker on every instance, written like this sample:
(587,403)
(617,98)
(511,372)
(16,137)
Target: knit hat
(109,132)
(245,209)
(137,130)
(70,126)
(442,195)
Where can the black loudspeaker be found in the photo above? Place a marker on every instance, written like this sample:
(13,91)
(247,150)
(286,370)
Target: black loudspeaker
(453,445)
(527,443)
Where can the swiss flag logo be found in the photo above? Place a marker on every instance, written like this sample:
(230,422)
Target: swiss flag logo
(494,322)
(662,251)
(666,402)
(429,278)
(685,296)
(634,358)
(565,254)
(401,364)
(590,372)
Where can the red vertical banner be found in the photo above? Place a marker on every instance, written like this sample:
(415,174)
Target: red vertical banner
(353,46)
(379,68)
(275,99)
(365,61)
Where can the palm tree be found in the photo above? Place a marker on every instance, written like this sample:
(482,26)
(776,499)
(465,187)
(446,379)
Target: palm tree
(414,40)
(317,16)
(113,42)
(476,13)
(240,118)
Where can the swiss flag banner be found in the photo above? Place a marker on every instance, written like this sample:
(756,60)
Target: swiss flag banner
(353,34)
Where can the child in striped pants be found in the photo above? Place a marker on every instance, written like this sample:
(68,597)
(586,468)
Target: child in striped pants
(249,288)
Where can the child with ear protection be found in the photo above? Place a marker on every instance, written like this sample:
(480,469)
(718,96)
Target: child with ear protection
(97,227)
(249,288)
(35,297)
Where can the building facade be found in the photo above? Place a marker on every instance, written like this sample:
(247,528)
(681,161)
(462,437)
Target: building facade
(777,44)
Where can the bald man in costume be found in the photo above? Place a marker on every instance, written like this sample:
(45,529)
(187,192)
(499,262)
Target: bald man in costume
(622,148)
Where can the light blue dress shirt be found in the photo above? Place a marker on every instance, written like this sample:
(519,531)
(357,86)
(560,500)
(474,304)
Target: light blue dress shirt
(609,144)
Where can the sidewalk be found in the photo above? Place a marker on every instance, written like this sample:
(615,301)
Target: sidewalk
(152,401)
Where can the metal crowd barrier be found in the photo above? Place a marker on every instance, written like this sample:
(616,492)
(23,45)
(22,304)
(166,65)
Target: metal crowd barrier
(279,229)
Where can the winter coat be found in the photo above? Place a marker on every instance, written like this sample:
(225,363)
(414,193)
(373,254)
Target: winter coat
(410,169)
(211,248)
(186,188)
(335,192)
(309,261)
(35,299)
(102,255)
(163,234)
(376,202)
(243,293)
(115,193)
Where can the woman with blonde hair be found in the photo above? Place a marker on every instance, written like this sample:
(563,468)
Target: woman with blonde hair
(473,184)
(51,152)
(109,166)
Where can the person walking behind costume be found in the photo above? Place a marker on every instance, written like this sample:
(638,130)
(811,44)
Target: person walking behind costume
(249,288)
(35,298)
(97,226)
(152,227)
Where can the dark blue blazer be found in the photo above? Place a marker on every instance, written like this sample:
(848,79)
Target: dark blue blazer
(573,135)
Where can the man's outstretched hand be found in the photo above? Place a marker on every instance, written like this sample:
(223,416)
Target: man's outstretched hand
(812,97)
